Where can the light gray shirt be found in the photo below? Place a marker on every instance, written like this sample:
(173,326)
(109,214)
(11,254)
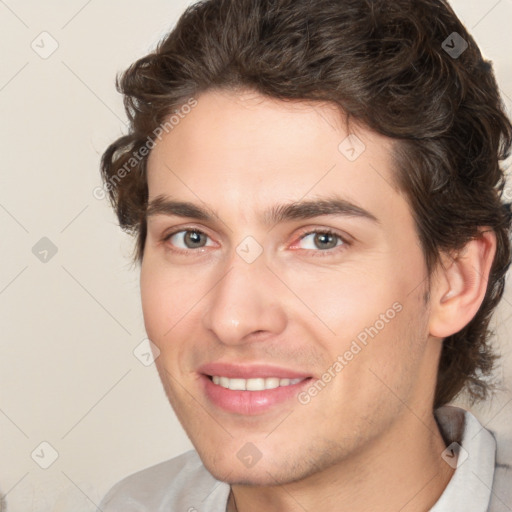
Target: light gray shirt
(480,483)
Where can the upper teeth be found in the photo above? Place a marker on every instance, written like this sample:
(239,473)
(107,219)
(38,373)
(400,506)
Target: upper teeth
(258,384)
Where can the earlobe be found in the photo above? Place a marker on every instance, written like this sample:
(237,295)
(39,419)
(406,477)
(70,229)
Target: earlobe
(459,285)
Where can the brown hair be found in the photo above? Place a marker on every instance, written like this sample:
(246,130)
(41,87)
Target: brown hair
(393,66)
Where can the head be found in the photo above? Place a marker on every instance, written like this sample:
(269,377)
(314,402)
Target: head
(247,105)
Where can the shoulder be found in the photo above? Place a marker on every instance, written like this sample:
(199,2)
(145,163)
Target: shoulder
(482,480)
(181,483)
(501,487)
(501,497)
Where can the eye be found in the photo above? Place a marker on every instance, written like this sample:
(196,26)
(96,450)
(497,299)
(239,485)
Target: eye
(324,240)
(187,239)
(319,241)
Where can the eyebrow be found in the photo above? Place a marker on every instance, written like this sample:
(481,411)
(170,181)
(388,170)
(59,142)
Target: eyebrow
(301,210)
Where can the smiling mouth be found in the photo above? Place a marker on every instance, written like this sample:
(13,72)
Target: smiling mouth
(254,384)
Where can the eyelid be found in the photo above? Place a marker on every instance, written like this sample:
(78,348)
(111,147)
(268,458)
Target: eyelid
(174,231)
(345,239)
(309,230)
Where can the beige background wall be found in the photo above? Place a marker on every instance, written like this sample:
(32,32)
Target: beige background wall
(69,325)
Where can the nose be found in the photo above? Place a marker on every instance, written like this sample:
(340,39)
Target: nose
(244,305)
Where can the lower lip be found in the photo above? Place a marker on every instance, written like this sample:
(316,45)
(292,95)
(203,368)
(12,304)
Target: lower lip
(250,402)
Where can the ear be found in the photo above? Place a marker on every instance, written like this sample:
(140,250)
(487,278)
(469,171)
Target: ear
(459,285)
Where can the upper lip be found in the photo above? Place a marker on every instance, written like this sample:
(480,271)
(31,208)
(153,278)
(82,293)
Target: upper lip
(249,371)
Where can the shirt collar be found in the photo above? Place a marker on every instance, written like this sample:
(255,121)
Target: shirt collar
(471,449)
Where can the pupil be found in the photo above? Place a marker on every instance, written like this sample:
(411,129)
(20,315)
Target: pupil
(193,237)
(324,237)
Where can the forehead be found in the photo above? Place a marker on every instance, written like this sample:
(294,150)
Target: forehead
(248,151)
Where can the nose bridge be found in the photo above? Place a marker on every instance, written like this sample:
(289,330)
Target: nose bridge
(244,300)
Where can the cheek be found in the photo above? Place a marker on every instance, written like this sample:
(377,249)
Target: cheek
(158,298)
(170,304)
(376,316)
(392,348)
(349,301)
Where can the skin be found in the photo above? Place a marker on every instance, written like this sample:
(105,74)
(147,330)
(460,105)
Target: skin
(368,440)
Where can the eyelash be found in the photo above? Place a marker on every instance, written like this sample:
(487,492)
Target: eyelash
(326,252)
(319,252)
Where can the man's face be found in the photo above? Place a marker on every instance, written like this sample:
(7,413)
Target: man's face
(247,297)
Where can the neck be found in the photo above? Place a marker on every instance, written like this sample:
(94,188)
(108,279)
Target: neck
(402,470)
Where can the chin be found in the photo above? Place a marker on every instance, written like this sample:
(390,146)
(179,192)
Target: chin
(249,477)
(263,473)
